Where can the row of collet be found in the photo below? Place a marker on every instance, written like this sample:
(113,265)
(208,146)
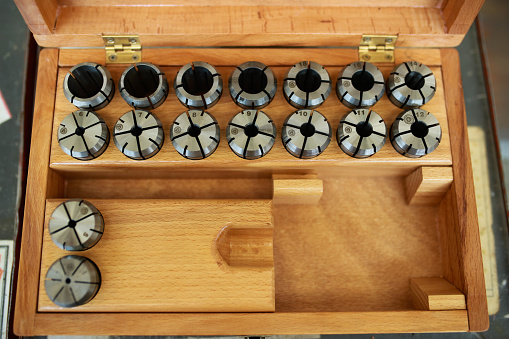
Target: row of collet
(195,134)
(251,133)
(74,280)
(252,85)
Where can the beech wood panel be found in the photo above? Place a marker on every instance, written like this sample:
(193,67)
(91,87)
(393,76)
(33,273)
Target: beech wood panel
(279,39)
(253,324)
(232,57)
(247,247)
(459,228)
(171,188)
(248,20)
(278,158)
(288,25)
(76,23)
(36,189)
(40,15)
(347,3)
(355,250)
(297,191)
(162,256)
(460,14)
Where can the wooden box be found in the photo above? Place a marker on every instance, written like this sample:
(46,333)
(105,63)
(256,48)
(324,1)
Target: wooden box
(386,244)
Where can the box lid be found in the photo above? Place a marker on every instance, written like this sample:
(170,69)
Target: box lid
(81,23)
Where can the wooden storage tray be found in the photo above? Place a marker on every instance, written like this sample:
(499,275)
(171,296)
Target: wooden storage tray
(344,264)
(385,244)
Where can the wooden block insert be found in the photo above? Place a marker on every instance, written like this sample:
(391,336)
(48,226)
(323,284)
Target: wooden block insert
(428,185)
(162,256)
(436,294)
(297,189)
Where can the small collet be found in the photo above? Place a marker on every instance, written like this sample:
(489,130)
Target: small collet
(143,85)
(198,85)
(411,84)
(252,85)
(89,85)
(306,133)
(306,85)
(360,85)
(415,133)
(138,134)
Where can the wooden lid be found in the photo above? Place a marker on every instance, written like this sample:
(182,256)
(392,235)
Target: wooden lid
(80,23)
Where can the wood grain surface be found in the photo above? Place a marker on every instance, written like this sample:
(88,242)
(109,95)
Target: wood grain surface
(246,247)
(278,158)
(249,23)
(436,294)
(251,324)
(36,190)
(235,56)
(340,266)
(79,23)
(40,15)
(458,224)
(288,190)
(162,256)
(355,250)
(460,14)
(304,3)
(428,185)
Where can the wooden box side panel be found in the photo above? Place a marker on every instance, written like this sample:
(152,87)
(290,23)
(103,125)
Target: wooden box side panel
(74,23)
(459,229)
(253,324)
(37,189)
(302,3)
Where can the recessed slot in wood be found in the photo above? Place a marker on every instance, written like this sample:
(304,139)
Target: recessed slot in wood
(246,247)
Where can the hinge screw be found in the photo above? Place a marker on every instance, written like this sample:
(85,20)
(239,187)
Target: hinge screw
(367,39)
(111,40)
(135,57)
(132,40)
(388,40)
(113,57)
(366,57)
(388,57)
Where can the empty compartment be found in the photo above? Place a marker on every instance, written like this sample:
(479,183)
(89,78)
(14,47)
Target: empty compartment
(356,249)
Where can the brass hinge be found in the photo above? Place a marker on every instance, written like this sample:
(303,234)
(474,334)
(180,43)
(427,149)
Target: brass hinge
(122,49)
(377,48)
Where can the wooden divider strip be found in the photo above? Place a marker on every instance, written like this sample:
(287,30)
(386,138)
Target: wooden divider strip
(245,324)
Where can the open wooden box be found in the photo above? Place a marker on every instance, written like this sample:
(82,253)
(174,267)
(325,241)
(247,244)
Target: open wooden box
(384,244)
